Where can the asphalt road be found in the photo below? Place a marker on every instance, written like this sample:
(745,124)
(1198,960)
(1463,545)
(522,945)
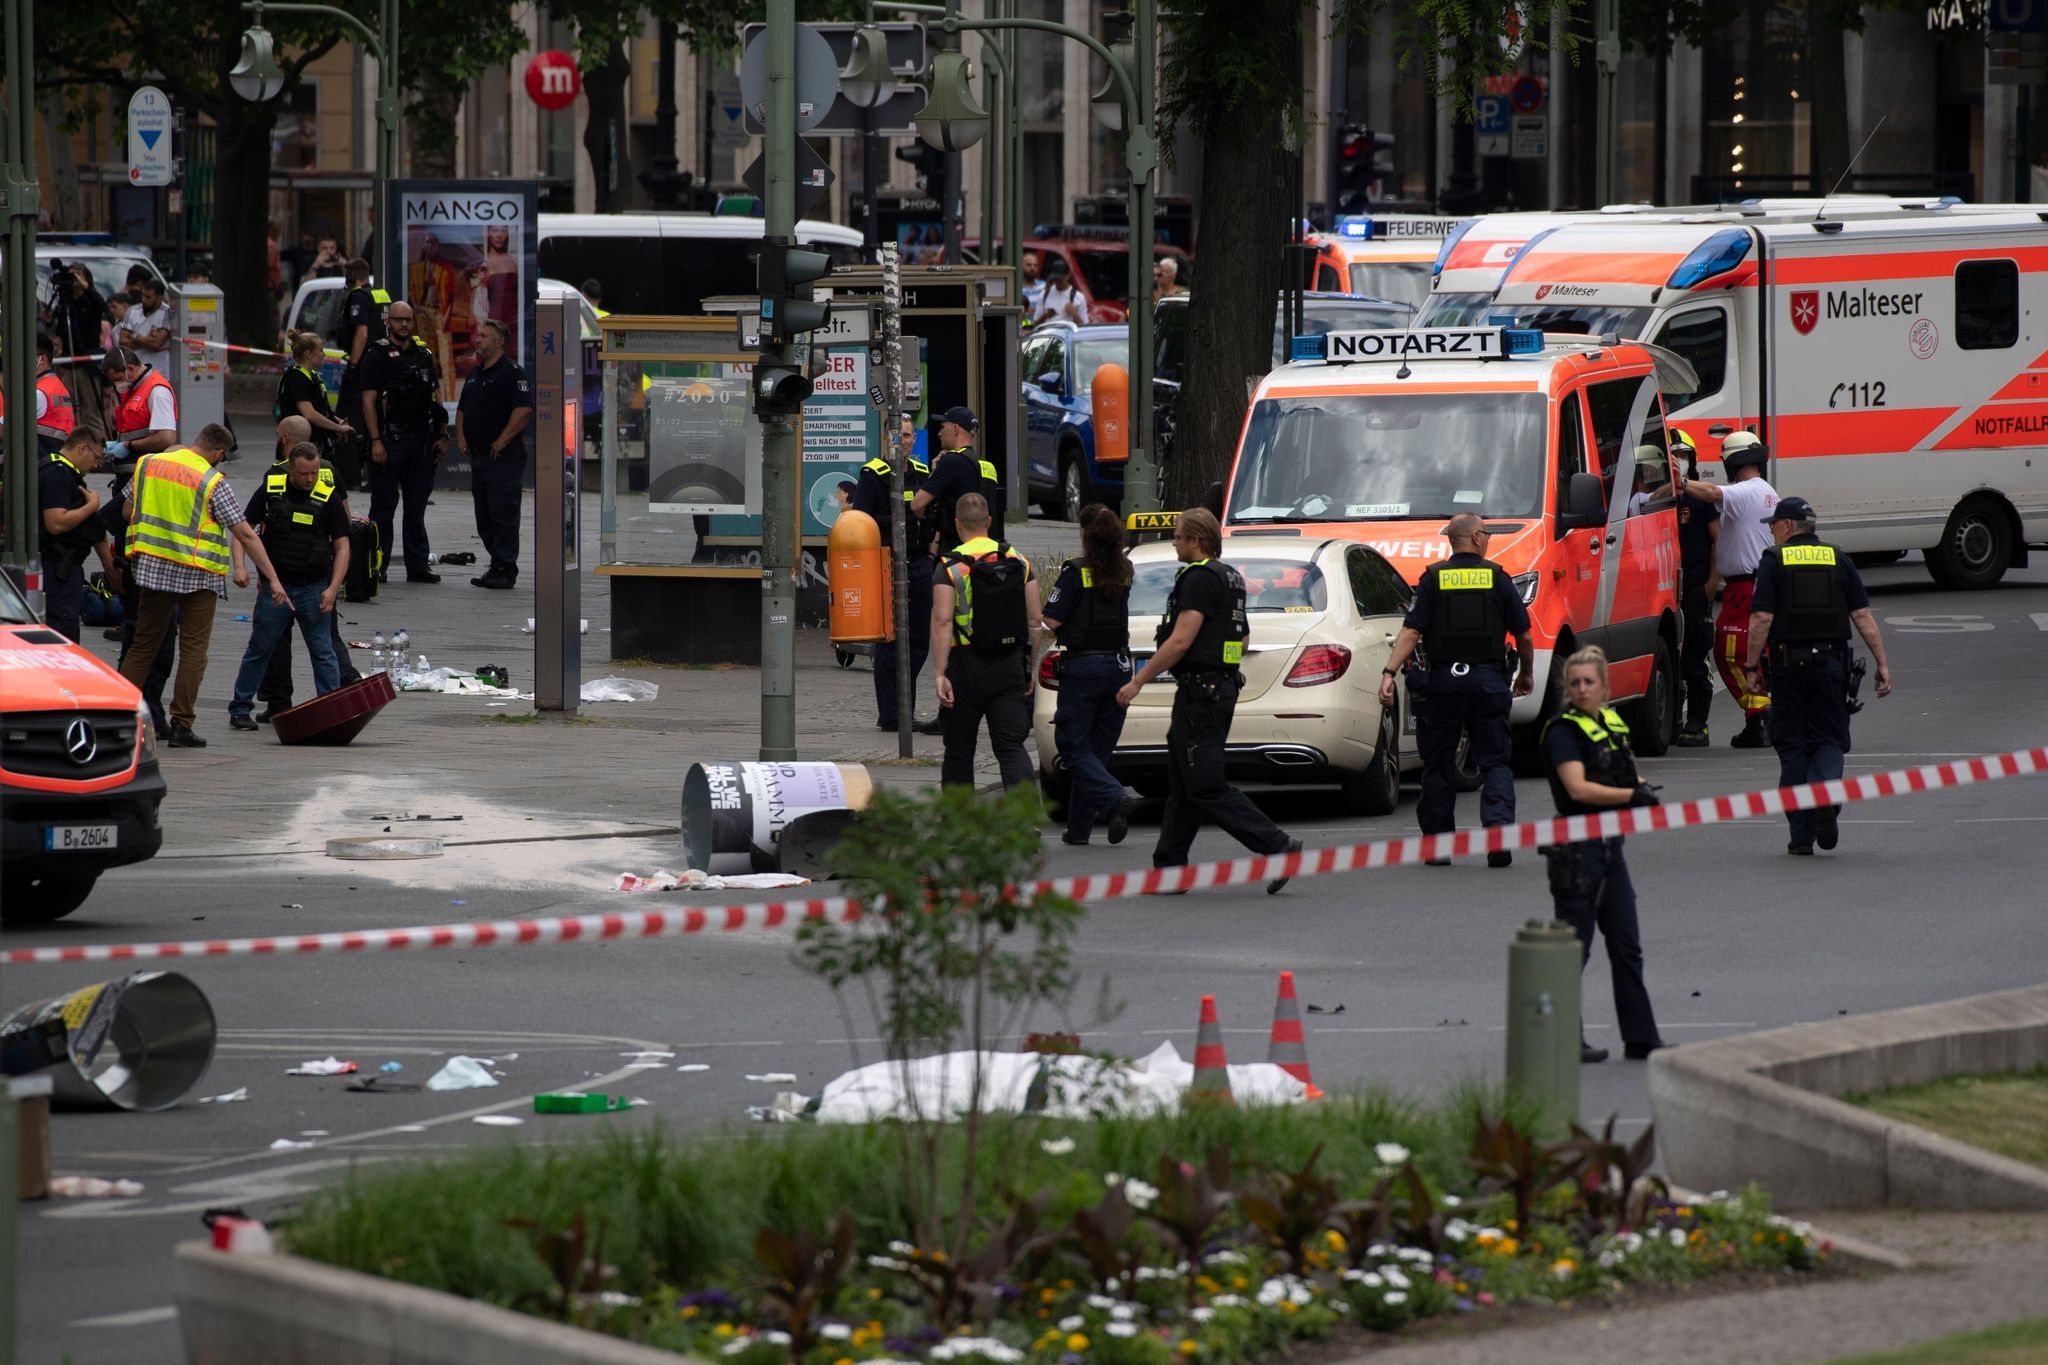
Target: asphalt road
(1930,897)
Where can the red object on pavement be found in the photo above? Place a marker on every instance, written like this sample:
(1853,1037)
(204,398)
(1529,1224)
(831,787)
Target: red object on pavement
(1288,1048)
(337,717)
(552,80)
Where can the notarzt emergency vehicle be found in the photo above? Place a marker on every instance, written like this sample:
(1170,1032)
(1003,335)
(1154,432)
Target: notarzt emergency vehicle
(1386,256)
(1885,350)
(1382,437)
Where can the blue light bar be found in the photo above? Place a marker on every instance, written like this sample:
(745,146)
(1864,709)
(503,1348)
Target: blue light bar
(1443,253)
(1308,348)
(1522,340)
(1358,229)
(1717,255)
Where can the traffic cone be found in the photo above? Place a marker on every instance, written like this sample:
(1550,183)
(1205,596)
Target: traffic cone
(1288,1049)
(1212,1067)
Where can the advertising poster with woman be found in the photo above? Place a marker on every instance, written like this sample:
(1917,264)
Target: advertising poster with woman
(467,254)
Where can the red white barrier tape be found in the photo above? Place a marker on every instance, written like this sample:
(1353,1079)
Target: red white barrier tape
(1319,862)
(255,350)
(77,359)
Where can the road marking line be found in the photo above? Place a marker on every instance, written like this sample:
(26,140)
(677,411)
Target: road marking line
(1999,819)
(141,1317)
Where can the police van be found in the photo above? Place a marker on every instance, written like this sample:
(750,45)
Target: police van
(1381,437)
(1885,350)
(1383,256)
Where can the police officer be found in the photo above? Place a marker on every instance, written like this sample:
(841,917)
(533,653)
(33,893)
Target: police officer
(70,530)
(403,416)
(1745,501)
(1699,538)
(871,495)
(1808,594)
(1465,608)
(490,424)
(304,521)
(1201,642)
(361,325)
(985,620)
(301,395)
(276,690)
(1587,759)
(1089,609)
(959,470)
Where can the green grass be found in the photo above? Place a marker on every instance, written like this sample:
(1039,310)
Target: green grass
(2006,1114)
(509,718)
(2012,1343)
(683,1211)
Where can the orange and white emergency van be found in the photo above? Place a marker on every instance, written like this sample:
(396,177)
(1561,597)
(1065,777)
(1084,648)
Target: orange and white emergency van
(1383,255)
(1886,352)
(79,783)
(1381,437)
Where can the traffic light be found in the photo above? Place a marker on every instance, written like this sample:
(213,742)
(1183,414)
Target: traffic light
(787,308)
(779,388)
(1365,160)
(931,168)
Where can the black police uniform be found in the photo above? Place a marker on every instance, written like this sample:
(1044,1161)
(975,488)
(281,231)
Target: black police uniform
(363,307)
(871,495)
(1465,608)
(300,385)
(276,690)
(60,487)
(954,474)
(1094,662)
(489,398)
(1696,518)
(1206,684)
(992,682)
(407,382)
(1589,881)
(1809,588)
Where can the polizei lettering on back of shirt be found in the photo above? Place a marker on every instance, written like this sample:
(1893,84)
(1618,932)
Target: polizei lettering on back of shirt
(1429,343)
(1869,303)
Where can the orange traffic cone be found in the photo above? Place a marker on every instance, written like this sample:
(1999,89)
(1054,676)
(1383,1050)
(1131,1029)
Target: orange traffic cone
(1288,1049)
(1212,1067)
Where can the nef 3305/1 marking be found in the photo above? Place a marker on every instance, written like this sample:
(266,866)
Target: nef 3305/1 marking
(1857,394)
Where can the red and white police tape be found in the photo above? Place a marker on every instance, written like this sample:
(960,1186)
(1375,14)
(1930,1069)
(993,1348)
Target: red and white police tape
(1319,862)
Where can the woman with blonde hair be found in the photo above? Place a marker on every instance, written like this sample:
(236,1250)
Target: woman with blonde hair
(1591,769)
(1089,610)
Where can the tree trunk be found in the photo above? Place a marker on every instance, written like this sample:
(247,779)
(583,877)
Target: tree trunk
(241,201)
(604,137)
(1827,100)
(1230,317)
(430,130)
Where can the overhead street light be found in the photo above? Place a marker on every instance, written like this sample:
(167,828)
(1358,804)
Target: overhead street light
(953,119)
(256,77)
(1107,103)
(867,81)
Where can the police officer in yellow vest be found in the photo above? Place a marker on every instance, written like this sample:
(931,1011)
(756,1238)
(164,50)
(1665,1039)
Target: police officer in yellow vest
(985,624)
(181,513)
(305,529)
(871,495)
(1201,642)
(276,690)
(1807,596)
(1465,608)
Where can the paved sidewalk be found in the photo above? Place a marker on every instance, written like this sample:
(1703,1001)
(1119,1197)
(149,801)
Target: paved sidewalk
(1973,1270)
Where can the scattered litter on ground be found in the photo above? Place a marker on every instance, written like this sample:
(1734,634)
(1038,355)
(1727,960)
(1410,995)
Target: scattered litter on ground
(288,1145)
(232,1097)
(384,1085)
(333,1066)
(1453,1023)
(769,1114)
(1325,1009)
(619,689)
(775,1078)
(390,1067)
(291,905)
(313,1132)
(242,617)
(458,902)
(508,1057)
(92,1187)
(637,1103)
(694,1066)
(662,879)
(1695,995)
(463,1073)
(577,1102)
(498,1120)
(643,1066)
(583,627)
(459,682)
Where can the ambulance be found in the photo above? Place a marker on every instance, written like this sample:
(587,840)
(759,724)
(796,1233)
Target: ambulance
(79,784)
(1381,437)
(1385,256)
(1885,351)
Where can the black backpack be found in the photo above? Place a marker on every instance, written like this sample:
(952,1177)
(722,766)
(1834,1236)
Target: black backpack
(994,591)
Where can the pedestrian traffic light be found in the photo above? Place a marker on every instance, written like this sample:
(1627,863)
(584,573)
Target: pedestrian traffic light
(1365,161)
(787,308)
(779,388)
(931,167)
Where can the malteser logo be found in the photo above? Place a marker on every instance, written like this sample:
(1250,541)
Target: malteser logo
(1805,311)
(1542,292)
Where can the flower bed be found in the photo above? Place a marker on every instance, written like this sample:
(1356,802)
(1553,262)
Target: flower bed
(1213,1235)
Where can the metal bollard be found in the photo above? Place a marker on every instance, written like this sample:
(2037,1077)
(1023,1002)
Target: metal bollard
(1543,1017)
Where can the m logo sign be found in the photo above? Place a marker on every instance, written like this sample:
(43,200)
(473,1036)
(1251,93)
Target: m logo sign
(1805,311)
(552,80)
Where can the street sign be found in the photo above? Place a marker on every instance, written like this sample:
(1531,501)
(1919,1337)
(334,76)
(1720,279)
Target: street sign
(846,325)
(2015,58)
(817,78)
(813,177)
(1492,118)
(2016,16)
(897,117)
(1530,140)
(149,137)
(728,126)
(1527,94)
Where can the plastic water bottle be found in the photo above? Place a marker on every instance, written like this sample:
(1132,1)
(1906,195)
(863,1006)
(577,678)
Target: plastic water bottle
(377,651)
(401,642)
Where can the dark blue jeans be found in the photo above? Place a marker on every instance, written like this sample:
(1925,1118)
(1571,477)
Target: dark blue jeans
(1086,724)
(1809,724)
(1447,706)
(268,624)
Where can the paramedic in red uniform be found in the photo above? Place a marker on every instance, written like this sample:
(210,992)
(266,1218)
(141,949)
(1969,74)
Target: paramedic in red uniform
(1746,501)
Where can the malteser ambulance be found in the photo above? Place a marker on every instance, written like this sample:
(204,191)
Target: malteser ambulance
(1885,351)
(1382,437)
(1384,255)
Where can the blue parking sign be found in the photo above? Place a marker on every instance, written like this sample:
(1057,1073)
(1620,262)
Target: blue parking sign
(1492,119)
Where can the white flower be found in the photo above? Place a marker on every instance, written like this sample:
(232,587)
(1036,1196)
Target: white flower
(887,1263)
(1112,1178)
(1417,1255)
(1123,1312)
(1390,1153)
(1201,1314)
(1451,1201)
(776,1338)
(1228,1301)
(1101,1303)
(1271,1292)
(1378,1249)
(1140,1194)
(1225,1257)
(903,1248)
(736,1345)
(1395,1277)
(1395,1300)
(612,1298)
(1608,1259)
(1121,1329)
(1056,1146)
(1074,1322)
(1457,1230)
(986,1347)
(1678,1237)
(835,1331)
(1372,1281)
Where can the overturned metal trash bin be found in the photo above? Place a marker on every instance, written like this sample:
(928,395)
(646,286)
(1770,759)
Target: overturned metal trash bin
(735,814)
(140,1043)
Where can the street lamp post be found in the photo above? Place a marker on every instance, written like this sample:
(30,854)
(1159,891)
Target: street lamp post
(256,77)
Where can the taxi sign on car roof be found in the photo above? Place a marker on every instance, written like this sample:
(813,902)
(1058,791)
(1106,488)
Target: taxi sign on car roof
(1152,521)
(1418,343)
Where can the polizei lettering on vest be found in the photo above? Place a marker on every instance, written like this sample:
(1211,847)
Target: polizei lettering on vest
(1868,303)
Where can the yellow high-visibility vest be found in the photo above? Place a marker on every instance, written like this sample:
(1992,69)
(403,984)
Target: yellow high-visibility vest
(173,520)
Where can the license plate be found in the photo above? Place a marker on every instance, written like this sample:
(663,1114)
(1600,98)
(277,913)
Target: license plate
(79,838)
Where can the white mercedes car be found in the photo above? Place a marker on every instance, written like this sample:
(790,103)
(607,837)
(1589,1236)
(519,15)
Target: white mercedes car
(1324,614)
